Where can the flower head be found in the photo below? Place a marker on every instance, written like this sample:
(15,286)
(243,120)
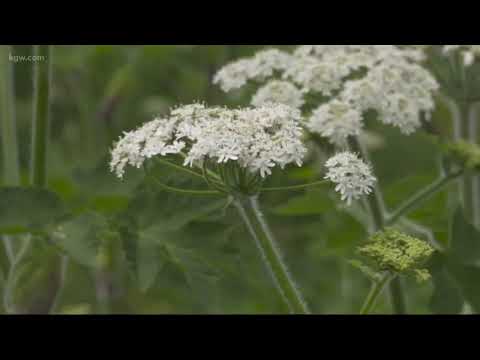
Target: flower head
(259,67)
(394,251)
(464,154)
(398,91)
(282,92)
(353,177)
(389,79)
(257,139)
(336,121)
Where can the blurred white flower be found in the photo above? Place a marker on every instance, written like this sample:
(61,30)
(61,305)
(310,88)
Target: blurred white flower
(259,67)
(353,176)
(387,78)
(468,52)
(256,138)
(336,121)
(276,91)
(399,91)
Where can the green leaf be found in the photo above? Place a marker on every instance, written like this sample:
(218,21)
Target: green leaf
(153,206)
(465,240)
(24,209)
(447,298)
(467,278)
(149,264)
(314,202)
(36,278)
(78,238)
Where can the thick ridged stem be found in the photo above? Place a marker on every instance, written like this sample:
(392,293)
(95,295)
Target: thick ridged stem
(11,165)
(257,226)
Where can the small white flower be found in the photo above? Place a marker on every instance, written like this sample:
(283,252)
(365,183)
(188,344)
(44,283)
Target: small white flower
(388,79)
(256,138)
(259,67)
(281,92)
(336,121)
(399,91)
(353,176)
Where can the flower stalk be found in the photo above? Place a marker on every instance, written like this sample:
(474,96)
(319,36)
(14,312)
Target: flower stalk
(375,292)
(257,226)
(376,207)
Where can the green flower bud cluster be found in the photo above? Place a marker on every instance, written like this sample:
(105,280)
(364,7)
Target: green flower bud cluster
(396,252)
(464,154)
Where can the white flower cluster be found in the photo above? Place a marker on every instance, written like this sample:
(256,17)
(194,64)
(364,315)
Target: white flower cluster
(257,138)
(277,91)
(260,67)
(399,91)
(336,121)
(386,78)
(468,52)
(353,176)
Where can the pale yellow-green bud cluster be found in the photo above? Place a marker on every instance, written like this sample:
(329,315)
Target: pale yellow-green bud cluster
(465,154)
(394,251)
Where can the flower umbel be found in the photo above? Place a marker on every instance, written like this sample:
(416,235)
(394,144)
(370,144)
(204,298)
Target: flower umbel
(336,121)
(465,154)
(394,251)
(353,176)
(281,92)
(256,139)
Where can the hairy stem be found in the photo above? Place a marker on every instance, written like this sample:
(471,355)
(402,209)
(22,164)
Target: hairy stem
(377,210)
(295,187)
(257,226)
(375,292)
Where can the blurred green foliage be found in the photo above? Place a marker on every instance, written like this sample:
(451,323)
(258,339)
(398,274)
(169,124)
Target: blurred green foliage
(163,253)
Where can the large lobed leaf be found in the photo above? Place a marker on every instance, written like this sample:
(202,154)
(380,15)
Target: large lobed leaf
(24,209)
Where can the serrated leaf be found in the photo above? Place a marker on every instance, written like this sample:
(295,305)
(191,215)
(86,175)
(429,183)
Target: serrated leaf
(78,238)
(152,205)
(36,278)
(464,240)
(467,278)
(447,298)
(149,264)
(24,209)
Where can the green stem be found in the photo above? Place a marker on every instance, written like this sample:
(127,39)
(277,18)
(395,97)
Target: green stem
(377,210)
(375,292)
(397,296)
(473,138)
(40,128)
(295,187)
(11,165)
(178,167)
(185,191)
(467,184)
(418,199)
(257,226)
